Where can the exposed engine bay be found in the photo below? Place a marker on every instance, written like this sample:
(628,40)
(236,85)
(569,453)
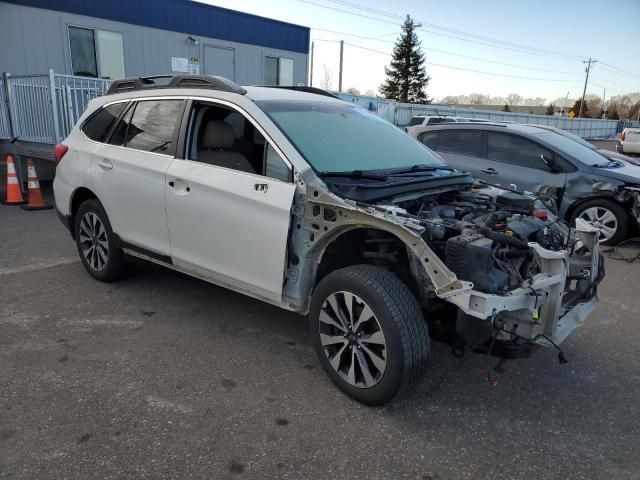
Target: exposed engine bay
(526,267)
(484,237)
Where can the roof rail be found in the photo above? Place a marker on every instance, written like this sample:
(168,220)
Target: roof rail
(174,81)
(304,88)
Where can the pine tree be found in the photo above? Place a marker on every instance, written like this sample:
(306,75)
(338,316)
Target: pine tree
(506,108)
(407,77)
(551,109)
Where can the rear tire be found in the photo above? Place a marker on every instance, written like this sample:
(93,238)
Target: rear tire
(613,219)
(98,252)
(371,355)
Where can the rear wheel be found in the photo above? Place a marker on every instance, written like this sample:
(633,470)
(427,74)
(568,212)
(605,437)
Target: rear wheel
(610,218)
(369,333)
(95,242)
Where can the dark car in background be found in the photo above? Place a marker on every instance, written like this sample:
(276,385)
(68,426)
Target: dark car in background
(581,181)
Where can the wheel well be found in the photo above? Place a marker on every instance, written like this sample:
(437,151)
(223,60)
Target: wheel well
(81,195)
(368,246)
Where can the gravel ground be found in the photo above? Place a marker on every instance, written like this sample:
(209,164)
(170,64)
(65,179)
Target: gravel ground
(165,376)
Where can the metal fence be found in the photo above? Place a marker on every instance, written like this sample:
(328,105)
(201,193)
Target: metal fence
(44,108)
(5,126)
(401,113)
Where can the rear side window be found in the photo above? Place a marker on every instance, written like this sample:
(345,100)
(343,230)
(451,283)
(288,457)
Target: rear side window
(429,139)
(465,142)
(517,150)
(153,126)
(98,126)
(434,120)
(415,121)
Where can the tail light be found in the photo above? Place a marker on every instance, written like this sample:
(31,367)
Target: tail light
(58,152)
(622,135)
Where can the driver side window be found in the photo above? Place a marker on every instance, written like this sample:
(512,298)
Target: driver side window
(223,137)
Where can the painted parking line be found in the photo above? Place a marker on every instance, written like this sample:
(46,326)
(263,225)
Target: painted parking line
(34,267)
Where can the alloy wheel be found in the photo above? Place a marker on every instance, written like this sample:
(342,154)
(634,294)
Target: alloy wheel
(93,241)
(603,219)
(352,339)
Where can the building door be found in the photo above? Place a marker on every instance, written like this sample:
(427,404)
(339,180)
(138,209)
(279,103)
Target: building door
(220,61)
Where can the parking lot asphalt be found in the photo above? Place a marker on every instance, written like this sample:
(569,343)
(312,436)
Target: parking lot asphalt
(165,376)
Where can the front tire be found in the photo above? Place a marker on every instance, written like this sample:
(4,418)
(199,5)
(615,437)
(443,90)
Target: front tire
(610,218)
(100,255)
(369,333)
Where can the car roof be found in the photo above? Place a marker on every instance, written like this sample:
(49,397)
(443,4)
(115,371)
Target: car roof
(259,94)
(496,126)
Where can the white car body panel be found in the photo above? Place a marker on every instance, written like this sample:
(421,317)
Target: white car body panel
(132,194)
(229,224)
(631,142)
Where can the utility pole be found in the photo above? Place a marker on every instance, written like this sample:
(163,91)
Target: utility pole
(584,92)
(340,74)
(564,107)
(311,74)
(604,100)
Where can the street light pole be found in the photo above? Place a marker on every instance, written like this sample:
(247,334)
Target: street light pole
(311,73)
(340,74)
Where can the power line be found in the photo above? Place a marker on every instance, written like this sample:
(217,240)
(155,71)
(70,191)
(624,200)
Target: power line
(452,30)
(467,69)
(537,69)
(475,42)
(619,69)
(518,47)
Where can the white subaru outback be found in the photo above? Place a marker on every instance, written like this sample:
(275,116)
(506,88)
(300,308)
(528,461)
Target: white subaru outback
(318,206)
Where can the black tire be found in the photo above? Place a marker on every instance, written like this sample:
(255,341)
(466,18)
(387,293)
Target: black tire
(622,218)
(398,316)
(114,268)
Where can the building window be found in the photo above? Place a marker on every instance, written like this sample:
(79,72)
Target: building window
(278,71)
(96,53)
(83,52)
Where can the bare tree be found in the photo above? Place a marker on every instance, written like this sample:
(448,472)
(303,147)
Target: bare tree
(353,91)
(326,83)
(479,99)
(514,99)
(370,92)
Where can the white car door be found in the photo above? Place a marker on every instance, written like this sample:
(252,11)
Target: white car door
(129,173)
(225,222)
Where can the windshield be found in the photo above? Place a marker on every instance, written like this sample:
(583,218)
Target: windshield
(573,148)
(578,139)
(341,137)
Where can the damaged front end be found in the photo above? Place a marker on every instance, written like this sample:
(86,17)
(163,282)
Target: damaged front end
(518,275)
(522,276)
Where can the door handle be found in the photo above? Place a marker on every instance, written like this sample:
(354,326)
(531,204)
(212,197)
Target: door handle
(490,171)
(105,164)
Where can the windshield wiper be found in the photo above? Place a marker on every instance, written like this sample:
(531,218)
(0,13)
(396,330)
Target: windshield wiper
(610,164)
(356,174)
(420,168)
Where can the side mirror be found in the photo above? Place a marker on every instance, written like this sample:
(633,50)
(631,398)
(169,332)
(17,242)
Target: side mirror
(553,167)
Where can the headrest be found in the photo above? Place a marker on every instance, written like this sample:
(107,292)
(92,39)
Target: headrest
(217,134)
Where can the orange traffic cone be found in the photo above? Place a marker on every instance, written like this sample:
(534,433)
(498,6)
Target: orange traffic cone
(14,195)
(36,201)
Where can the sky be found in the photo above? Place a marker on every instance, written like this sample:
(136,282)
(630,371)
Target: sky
(557,36)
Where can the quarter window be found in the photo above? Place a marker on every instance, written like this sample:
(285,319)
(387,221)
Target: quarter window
(98,126)
(517,150)
(465,142)
(153,126)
